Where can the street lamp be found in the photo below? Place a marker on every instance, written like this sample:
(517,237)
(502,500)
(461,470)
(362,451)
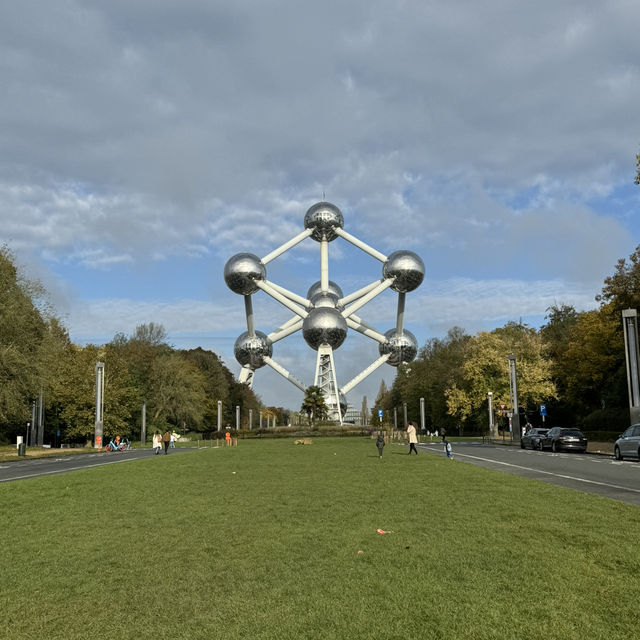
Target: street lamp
(490,398)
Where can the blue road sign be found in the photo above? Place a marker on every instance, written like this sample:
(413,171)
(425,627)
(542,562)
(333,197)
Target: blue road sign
(379,413)
(543,409)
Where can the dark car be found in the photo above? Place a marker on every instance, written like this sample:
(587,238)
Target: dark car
(563,438)
(532,438)
(628,444)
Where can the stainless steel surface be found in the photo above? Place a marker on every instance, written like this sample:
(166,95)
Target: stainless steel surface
(242,271)
(407,268)
(324,325)
(251,350)
(325,300)
(316,288)
(401,348)
(323,218)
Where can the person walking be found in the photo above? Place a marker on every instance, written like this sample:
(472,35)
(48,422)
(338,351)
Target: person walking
(413,438)
(156,440)
(444,434)
(166,439)
(380,443)
(448,450)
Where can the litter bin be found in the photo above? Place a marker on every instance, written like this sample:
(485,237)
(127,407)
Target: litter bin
(22,449)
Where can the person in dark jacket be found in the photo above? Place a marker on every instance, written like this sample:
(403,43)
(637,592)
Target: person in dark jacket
(380,444)
(166,439)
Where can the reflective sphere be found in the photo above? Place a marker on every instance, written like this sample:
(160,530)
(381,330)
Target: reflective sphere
(241,272)
(324,300)
(323,218)
(316,288)
(403,348)
(324,326)
(407,268)
(251,350)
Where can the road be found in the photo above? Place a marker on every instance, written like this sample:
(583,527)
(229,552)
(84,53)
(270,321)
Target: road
(589,473)
(50,466)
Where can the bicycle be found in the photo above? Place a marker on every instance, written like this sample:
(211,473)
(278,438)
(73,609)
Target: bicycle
(123,445)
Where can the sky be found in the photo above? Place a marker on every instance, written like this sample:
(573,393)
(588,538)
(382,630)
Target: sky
(143,144)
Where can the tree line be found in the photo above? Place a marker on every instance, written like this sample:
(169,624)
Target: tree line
(180,388)
(574,364)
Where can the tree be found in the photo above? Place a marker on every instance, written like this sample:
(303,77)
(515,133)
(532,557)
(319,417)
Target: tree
(486,369)
(23,329)
(622,289)
(177,392)
(313,404)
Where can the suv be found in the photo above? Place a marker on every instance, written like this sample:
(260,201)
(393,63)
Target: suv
(628,444)
(563,438)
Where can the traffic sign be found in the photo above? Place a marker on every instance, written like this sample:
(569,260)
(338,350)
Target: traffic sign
(379,413)
(543,409)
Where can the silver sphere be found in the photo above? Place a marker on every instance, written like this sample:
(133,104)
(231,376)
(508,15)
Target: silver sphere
(251,350)
(316,288)
(323,218)
(242,271)
(403,348)
(407,268)
(324,300)
(324,326)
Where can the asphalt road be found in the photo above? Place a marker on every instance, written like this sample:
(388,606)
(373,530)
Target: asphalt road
(589,473)
(51,466)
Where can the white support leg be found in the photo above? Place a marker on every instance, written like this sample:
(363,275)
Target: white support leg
(246,376)
(366,331)
(287,331)
(325,378)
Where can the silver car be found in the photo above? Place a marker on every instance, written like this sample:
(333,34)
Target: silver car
(628,444)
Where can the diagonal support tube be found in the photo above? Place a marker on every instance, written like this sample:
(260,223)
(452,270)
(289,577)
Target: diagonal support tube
(283,372)
(385,284)
(281,333)
(361,245)
(363,374)
(359,293)
(269,290)
(366,331)
(287,245)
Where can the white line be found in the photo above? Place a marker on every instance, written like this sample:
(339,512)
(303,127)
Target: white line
(549,473)
(50,473)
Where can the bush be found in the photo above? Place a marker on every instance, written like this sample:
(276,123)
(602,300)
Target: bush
(612,420)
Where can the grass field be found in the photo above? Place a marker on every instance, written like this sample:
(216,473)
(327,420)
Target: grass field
(263,540)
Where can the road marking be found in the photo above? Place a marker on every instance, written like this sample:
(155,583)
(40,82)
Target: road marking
(549,473)
(88,466)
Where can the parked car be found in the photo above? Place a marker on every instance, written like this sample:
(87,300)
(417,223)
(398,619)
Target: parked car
(532,438)
(563,438)
(628,444)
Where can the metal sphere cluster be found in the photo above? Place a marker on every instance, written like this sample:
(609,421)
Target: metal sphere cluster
(324,325)
(401,347)
(250,350)
(242,271)
(323,218)
(407,268)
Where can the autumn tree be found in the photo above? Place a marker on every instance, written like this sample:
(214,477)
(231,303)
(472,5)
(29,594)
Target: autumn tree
(486,369)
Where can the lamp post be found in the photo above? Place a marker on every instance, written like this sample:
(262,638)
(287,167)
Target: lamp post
(219,415)
(422,424)
(491,426)
(513,384)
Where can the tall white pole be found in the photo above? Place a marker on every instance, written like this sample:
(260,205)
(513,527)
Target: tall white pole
(219,415)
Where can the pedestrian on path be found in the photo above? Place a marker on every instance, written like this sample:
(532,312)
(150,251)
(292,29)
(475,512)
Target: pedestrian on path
(413,438)
(166,439)
(380,443)
(157,443)
(447,448)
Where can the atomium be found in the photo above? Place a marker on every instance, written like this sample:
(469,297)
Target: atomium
(251,350)
(325,315)
(242,271)
(400,347)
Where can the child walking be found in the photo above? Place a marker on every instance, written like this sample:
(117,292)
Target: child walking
(447,448)
(380,444)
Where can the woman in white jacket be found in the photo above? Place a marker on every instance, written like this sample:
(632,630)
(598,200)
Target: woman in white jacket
(413,437)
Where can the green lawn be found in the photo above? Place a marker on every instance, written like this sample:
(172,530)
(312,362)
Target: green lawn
(262,541)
